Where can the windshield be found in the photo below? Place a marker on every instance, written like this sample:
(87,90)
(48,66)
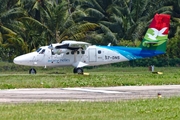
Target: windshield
(39,49)
(42,51)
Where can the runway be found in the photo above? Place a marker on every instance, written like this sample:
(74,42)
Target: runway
(87,94)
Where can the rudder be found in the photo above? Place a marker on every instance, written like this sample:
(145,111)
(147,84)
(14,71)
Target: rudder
(157,34)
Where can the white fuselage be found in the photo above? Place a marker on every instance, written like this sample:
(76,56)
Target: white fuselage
(91,56)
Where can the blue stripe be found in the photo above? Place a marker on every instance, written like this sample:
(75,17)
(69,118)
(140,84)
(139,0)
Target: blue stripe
(133,52)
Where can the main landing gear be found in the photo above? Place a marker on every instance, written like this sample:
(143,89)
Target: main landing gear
(32,71)
(78,70)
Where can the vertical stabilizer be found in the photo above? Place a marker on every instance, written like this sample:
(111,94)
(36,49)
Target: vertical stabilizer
(157,34)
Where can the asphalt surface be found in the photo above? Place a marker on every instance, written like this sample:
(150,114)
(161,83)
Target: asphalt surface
(87,94)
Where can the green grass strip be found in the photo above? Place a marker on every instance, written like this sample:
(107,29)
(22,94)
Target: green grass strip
(149,109)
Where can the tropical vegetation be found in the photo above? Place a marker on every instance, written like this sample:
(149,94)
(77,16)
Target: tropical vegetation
(27,24)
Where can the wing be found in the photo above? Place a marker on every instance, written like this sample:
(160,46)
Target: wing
(75,45)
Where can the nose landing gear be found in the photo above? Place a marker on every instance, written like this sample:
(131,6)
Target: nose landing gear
(78,70)
(32,71)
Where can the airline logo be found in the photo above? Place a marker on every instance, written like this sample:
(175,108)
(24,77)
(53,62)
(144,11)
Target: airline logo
(153,34)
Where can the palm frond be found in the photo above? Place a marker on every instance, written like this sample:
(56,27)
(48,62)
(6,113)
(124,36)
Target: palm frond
(78,29)
(98,6)
(33,22)
(1,38)
(109,36)
(6,30)
(13,14)
(165,9)
(78,14)
(94,13)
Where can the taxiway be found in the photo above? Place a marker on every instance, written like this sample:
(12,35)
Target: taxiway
(87,93)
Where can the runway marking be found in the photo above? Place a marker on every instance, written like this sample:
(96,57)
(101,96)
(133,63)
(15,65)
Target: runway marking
(93,90)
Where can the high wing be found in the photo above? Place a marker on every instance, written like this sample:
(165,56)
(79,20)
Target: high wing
(71,45)
(75,45)
(63,47)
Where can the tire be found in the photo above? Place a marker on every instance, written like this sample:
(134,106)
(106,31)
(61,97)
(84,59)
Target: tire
(75,70)
(79,70)
(32,71)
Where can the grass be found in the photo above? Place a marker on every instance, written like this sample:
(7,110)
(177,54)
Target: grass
(99,76)
(148,109)
(151,109)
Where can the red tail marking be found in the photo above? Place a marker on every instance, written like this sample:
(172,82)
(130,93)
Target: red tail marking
(160,21)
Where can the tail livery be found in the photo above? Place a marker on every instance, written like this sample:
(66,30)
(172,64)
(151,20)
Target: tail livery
(157,35)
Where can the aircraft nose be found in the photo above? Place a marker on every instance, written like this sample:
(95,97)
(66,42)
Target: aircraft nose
(24,59)
(18,60)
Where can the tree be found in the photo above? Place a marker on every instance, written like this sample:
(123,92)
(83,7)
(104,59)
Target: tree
(33,23)
(120,19)
(10,42)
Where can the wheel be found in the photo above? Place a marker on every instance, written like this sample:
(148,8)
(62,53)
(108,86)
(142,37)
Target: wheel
(75,70)
(79,70)
(32,71)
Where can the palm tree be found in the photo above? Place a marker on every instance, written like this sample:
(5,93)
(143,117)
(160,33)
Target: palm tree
(175,19)
(46,21)
(120,19)
(60,25)
(10,42)
(96,12)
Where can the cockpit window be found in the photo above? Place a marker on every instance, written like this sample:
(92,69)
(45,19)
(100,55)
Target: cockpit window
(39,49)
(42,51)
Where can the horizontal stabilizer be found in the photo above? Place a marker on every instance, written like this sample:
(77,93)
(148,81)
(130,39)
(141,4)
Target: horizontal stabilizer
(79,64)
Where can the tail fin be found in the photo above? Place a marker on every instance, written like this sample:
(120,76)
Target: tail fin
(157,35)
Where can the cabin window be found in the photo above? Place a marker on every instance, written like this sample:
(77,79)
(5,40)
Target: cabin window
(82,52)
(99,51)
(72,52)
(77,52)
(38,49)
(42,52)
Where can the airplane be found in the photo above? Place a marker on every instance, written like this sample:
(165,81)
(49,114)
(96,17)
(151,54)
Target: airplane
(80,54)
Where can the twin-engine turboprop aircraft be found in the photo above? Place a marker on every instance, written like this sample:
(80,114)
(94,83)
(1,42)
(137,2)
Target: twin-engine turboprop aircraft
(81,54)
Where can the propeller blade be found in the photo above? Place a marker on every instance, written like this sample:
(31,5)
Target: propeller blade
(50,46)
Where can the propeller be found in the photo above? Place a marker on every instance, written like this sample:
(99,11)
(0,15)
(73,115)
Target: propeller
(50,46)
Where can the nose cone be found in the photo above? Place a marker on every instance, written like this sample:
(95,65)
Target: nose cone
(24,59)
(19,60)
